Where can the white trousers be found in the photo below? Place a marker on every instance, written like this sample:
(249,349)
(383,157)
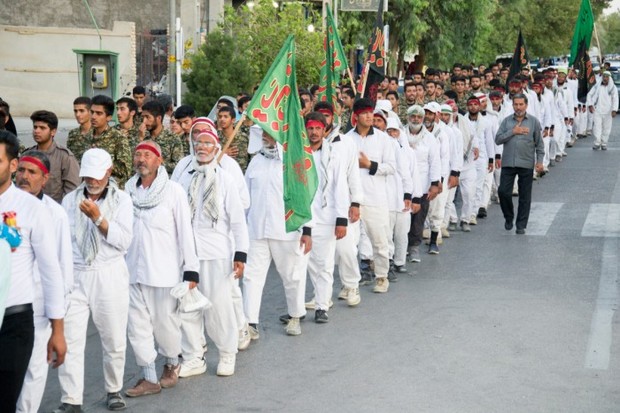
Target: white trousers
(153,317)
(365,246)
(321,264)
(590,118)
(400,223)
(217,284)
(546,144)
(291,264)
(601,128)
(437,209)
(449,214)
(36,375)
(346,256)
(376,223)
(102,293)
(467,185)
(484,182)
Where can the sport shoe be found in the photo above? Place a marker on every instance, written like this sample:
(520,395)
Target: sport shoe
(414,254)
(226,366)
(143,388)
(115,402)
(284,319)
(69,408)
(193,367)
(482,213)
(603,147)
(452,226)
(552,162)
(310,305)
(445,233)
(401,269)
(433,249)
(244,338)
(170,376)
(354,297)
(344,293)
(366,272)
(596,147)
(392,275)
(473,221)
(293,328)
(320,316)
(465,227)
(254,334)
(382,285)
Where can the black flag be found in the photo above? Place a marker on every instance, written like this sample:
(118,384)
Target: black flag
(375,65)
(520,58)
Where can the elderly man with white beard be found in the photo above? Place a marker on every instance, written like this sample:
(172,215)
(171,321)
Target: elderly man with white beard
(217,215)
(602,104)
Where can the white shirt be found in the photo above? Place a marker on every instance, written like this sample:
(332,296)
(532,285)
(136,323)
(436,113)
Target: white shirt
(184,167)
(64,252)
(444,149)
(213,241)
(603,98)
(348,149)
(266,213)
(426,148)
(380,151)
(120,231)
(163,244)
(331,200)
(400,183)
(456,147)
(486,139)
(37,231)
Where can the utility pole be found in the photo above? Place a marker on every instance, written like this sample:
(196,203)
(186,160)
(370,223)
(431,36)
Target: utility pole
(172,48)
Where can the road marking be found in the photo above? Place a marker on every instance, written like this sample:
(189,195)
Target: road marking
(542,215)
(603,221)
(599,341)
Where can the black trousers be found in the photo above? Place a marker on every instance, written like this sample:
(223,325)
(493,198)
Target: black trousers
(504,192)
(417,223)
(16,342)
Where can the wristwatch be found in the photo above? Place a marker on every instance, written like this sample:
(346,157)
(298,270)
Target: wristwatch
(99,220)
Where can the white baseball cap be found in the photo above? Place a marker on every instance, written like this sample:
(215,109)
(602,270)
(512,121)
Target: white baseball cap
(432,107)
(95,163)
(392,124)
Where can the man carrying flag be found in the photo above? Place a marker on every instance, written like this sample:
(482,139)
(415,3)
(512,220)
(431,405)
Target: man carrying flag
(280,202)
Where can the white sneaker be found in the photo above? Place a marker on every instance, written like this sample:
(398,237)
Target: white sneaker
(445,233)
(473,221)
(381,285)
(344,293)
(226,366)
(244,338)
(254,334)
(193,367)
(293,328)
(310,305)
(353,298)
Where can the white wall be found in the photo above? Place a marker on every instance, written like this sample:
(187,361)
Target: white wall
(38,69)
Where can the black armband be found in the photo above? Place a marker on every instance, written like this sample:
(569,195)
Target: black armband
(355,204)
(342,222)
(373,167)
(191,276)
(240,257)
(306,231)
(498,156)
(455,173)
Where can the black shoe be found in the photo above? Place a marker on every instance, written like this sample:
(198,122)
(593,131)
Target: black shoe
(508,225)
(115,402)
(320,316)
(284,318)
(400,269)
(69,408)
(520,231)
(603,147)
(392,273)
(482,213)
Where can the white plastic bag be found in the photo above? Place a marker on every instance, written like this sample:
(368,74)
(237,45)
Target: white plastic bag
(189,300)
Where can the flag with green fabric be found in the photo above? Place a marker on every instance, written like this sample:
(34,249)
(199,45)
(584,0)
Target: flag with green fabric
(334,64)
(583,30)
(276,108)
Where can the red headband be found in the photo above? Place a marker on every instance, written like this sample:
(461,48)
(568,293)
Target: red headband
(148,147)
(35,161)
(326,112)
(314,124)
(363,110)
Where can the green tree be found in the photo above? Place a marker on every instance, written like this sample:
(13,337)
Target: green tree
(609,33)
(220,67)
(262,29)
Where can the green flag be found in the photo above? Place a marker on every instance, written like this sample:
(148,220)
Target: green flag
(334,64)
(275,107)
(583,30)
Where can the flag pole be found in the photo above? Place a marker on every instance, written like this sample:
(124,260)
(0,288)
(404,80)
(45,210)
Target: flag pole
(366,69)
(598,44)
(229,141)
(351,78)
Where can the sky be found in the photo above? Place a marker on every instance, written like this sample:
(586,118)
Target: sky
(613,7)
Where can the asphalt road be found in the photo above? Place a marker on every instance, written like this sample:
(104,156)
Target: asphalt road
(497,322)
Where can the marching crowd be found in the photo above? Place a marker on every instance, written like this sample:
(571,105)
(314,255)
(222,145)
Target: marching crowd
(158,234)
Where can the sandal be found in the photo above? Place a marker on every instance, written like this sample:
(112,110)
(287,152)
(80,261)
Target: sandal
(115,402)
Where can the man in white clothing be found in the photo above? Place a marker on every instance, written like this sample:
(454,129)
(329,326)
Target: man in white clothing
(161,255)
(100,217)
(603,105)
(32,175)
(456,160)
(217,216)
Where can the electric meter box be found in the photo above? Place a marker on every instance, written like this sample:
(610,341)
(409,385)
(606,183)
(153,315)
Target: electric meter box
(98,73)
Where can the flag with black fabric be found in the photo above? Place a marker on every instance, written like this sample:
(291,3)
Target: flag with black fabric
(585,74)
(520,58)
(583,31)
(334,64)
(374,69)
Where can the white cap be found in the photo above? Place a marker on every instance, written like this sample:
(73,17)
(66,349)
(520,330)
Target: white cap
(380,113)
(95,163)
(255,143)
(392,124)
(446,109)
(606,73)
(384,105)
(415,110)
(432,107)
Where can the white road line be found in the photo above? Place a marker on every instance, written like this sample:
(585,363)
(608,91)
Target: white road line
(542,215)
(599,341)
(603,221)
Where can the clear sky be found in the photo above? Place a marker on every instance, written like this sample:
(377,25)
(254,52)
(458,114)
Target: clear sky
(613,7)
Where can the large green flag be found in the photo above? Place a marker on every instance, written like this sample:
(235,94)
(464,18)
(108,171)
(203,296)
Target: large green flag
(583,30)
(334,64)
(275,107)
